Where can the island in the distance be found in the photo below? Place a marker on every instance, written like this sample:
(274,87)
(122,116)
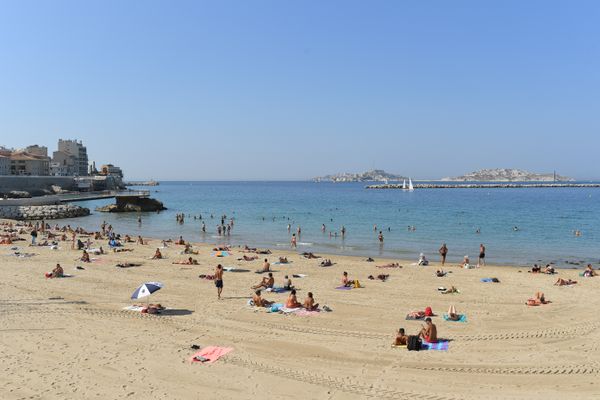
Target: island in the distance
(507,175)
(376,175)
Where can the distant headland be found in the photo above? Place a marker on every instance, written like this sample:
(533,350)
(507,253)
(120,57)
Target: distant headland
(507,175)
(376,175)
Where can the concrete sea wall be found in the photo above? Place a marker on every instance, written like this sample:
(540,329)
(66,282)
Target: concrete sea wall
(43,212)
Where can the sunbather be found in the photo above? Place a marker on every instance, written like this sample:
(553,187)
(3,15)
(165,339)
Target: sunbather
(564,282)
(85,257)
(422,260)
(347,282)
(309,255)
(265,268)
(451,290)
(326,263)
(429,331)
(57,272)
(440,273)
(452,314)
(537,300)
(390,265)
(259,301)
(309,302)
(266,282)
(157,255)
(283,260)
(287,283)
(248,258)
(292,301)
(401,338)
(189,261)
(589,271)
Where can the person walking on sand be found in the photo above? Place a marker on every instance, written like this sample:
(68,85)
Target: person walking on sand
(219,280)
(481,261)
(443,253)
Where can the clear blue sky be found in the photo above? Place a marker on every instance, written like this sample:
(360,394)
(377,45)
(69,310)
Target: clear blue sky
(290,90)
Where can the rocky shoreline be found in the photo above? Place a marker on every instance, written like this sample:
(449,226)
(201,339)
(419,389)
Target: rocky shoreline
(43,212)
(488,185)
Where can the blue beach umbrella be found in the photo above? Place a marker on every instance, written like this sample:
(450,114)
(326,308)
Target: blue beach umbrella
(146,290)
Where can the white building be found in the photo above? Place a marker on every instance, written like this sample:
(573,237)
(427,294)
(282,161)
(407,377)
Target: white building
(78,150)
(37,150)
(23,163)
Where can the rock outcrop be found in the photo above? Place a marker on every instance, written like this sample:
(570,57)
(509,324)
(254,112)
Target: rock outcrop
(376,175)
(133,204)
(43,212)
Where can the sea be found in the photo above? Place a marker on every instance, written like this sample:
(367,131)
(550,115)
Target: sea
(518,226)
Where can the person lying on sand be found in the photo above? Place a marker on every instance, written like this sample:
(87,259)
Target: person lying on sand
(422,260)
(309,255)
(180,241)
(309,302)
(189,261)
(266,282)
(265,268)
(381,277)
(283,260)
(452,314)
(259,301)
(326,263)
(539,299)
(451,290)
(85,257)
(564,282)
(549,270)
(401,338)
(249,249)
(265,251)
(466,263)
(292,301)
(248,258)
(127,265)
(440,273)
(429,331)
(121,250)
(370,259)
(221,248)
(390,265)
(128,239)
(157,255)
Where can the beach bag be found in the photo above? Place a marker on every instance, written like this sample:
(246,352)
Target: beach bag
(413,343)
(356,284)
(428,312)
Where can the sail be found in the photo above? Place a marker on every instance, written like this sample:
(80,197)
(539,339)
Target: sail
(404,185)
(410,185)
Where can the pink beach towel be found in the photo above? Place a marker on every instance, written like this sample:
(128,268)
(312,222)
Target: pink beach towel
(213,353)
(306,313)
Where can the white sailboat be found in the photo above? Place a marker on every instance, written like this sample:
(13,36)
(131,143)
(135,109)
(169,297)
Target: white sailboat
(404,185)
(410,185)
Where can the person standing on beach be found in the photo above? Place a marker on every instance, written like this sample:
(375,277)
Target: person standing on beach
(481,261)
(294,242)
(219,280)
(443,252)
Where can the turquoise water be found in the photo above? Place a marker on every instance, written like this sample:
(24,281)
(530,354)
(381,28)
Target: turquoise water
(546,218)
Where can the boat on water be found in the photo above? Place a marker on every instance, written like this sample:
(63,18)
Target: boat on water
(404,185)
(410,186)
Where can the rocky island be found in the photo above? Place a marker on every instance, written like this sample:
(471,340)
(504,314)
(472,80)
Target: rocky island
(376,175)
(507,175)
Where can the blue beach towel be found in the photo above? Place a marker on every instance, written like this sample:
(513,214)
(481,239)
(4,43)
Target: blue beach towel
(463,318)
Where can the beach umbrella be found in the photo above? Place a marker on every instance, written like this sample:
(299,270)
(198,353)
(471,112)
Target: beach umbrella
(146,289)
(221,253)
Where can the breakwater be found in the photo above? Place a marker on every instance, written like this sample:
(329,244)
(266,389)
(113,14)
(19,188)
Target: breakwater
(495,185)
(55,211)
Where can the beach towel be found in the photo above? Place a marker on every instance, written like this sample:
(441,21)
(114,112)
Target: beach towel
(280,263)
(344,287)
(299,276)
(462,318)
(398,346)
(487,280)
(306,313)
(234,269)
(277,290)
(286,310)
(275,307)
(441,345)
(211,354)
(413,317)
(133,308)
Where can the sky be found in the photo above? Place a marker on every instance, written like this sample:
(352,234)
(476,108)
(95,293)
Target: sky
(282,90)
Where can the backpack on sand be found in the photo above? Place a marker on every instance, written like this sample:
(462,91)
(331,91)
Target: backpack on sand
(413,343)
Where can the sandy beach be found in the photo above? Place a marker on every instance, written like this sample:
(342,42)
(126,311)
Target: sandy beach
(69,338)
